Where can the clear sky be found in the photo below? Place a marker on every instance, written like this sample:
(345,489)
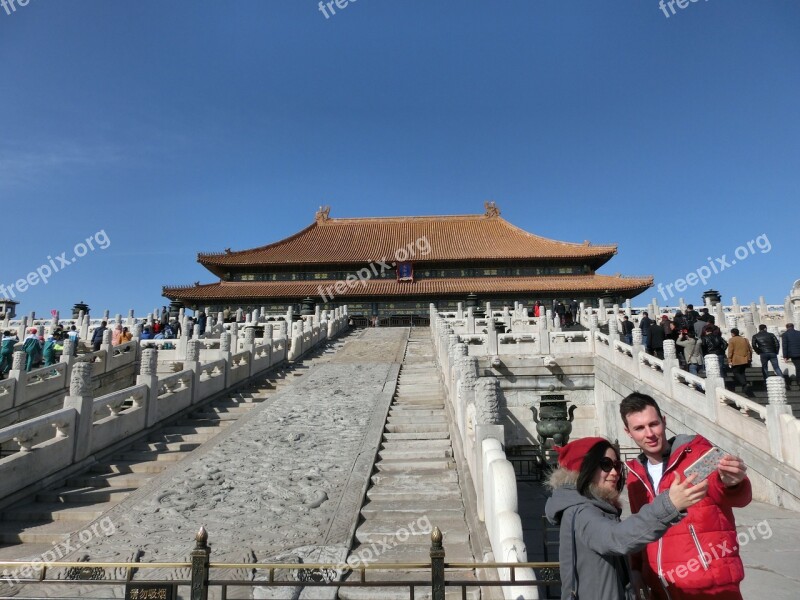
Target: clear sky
(161,129)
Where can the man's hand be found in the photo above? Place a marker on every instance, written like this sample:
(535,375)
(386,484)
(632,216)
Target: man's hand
(732,470)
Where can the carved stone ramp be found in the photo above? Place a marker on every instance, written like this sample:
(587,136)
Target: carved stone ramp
(414,486)
(40,523)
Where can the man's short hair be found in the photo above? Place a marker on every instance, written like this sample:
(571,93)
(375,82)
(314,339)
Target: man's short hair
(637,402)
(734,331)
(790,326)
(690,306)
(762,327)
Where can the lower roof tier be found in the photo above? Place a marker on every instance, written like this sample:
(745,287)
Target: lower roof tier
(594,285)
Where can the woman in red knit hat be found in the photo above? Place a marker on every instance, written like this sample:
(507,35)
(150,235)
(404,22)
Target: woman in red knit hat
(593,541)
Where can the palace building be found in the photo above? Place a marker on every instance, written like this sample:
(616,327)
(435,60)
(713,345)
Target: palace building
(392,268)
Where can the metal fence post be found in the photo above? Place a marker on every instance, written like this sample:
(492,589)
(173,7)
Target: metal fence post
(437,565)
(200,561)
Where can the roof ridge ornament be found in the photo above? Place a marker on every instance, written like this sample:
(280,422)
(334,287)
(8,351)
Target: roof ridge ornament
(492,210)
(323,214)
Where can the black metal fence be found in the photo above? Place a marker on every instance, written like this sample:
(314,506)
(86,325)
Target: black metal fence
(435,577)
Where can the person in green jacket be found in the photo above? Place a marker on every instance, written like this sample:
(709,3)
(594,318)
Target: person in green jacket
(33,348)
(7,344)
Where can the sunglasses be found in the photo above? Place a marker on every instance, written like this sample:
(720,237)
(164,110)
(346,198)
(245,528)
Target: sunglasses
(607,464)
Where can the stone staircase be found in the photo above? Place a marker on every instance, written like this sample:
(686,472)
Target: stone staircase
(414,486)
(36,524)
(759,386)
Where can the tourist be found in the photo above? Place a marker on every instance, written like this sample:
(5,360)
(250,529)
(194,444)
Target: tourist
(707,317)
(644,324)
(201,321)
(692,316)
(175,325)
(49,350)
(740,355)
(126,336)
(146,333)
(766,345)
(680,320)
(537,309)
(655,340)
(574,310)
(627,331)
(7,344)
(699,557)
(791,352)
(116,335)
(561,311)
(33,349)
(97,336)
(712,343)
(593,542)
(692,350)
(72,334)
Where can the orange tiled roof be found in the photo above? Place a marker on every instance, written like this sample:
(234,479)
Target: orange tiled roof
(226,290)
(450,238)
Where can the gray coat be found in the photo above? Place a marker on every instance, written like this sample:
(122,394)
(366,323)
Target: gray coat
(603,541)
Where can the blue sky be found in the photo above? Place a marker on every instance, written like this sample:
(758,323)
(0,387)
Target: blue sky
(185,126)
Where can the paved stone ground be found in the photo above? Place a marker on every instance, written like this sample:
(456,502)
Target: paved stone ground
(768,536)
(283,484)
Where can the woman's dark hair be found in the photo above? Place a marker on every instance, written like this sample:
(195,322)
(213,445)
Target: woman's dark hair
(589,466)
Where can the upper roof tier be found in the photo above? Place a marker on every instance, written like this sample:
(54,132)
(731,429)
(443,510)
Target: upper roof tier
(441,238)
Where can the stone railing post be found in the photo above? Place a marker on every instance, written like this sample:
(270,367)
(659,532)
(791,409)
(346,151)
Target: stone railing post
(19,373)
(225,354)
(148,375)
(193,363)
(776,390)
(670,362)
(491,342)
(250,345)
(200,557)
(80,398)
(714,380)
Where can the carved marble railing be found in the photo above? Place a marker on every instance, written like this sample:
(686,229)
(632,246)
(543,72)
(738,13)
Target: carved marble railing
(474,403)
(118,415)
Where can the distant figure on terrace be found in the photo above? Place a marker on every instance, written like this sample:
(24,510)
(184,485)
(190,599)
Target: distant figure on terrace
(7,352)
(766,345)
(537,309)
(692,351)
(740,354)
(97,336)
(655,340)
(644,325)
(126,336)
(52,349)
(116,335)
(712,342)
(147,334)
(791,352)
(627,331)
(33,348)
(574,308)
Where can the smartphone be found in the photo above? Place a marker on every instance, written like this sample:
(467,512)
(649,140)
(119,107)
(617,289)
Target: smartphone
(705,465)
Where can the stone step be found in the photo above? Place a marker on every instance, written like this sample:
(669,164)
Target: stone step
(112,480)
(424,435)
(30,551)
(130,466)
(431,419)
(403,454)
(35,532)
(189,428)
(180,437)
(416,427)
(395,464)
(381,529)
(388,493)
(166,446)
(144,456)
(419,478)
(400,410)
(214,417)
(416,401)
(415,445)
(56,511)
(411,509)
(84,495)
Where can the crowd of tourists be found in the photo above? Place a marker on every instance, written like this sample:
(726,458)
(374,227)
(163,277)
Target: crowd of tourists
(696,335)
(567,314)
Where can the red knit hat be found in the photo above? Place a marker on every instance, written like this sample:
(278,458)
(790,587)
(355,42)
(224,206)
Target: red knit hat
(571,456)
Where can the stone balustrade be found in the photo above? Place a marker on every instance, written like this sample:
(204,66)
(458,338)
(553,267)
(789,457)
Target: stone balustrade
(474,402)
(48,443)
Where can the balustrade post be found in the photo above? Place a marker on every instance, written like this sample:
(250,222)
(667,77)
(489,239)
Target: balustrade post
(491,333)
(148,375)
(670,362)
(714,380)
(776,390)
(193,363)
(200,559)
(437,565)
(80,398)
(19,373)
